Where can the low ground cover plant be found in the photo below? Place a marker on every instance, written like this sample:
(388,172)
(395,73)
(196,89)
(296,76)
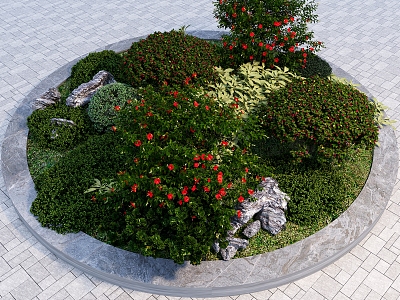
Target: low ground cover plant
(164,162)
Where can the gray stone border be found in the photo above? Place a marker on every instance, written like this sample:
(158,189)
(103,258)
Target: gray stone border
(213,278)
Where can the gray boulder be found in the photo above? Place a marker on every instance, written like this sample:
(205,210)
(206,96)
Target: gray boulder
(84,93)
(51,97)
(234,245)
(252,229)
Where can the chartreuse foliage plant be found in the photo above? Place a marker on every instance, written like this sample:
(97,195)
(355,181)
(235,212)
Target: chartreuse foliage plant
(102,107)
(189,165)
(246,89)
(273,32)
(171,58)
(320,119)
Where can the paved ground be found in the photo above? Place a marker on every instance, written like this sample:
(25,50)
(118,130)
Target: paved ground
(39,36)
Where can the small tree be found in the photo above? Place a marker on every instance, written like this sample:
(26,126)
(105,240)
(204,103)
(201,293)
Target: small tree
(273,32)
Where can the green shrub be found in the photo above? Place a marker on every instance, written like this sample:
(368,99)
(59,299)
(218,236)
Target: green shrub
(172,58)
(189,163)
(49,134)
(102,107)
(84,70)
(270,31)
(316,66)
(320,119)
(61,203)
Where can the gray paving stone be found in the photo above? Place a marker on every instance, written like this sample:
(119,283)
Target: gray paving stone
(80,287)
(26,290)
(377,282)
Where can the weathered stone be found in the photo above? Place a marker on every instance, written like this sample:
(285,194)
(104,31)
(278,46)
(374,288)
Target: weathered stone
(252,229)
(272,217)
(269,198)
(51,97)
(234,245)
(216,247)
(84,93)
(59,121)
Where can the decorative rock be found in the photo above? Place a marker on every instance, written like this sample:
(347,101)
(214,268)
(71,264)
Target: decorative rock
(234,245)
(252,229)
(272,217)
(47,99)
(59,121)
(83,93)
(216,247)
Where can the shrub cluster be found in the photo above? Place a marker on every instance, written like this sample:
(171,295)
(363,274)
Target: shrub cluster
(189,166)
(101,109)
(172,58)
(84,70)
(61,204)
(53,135)
(319,118)
(270,31)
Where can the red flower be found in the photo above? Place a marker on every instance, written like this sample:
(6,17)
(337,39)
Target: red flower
(219,177)
(276,59)
(277,24)
(246,170)
(208,179)
(196,165)
(149,136)
(150,194)
(285,21)
(184,191)
(138,143)
(180,202)
(170,167)
(149,114)
(203,166)
(234,15)
(215,168)
(157,180)
(175,94)
(196,180)
(244,46)
(206,189)
(243,180)
(260,44)
(186,199)
(117,107)
(239,213)
(113,128)
(251,57)
(196,157)
(176,104)
(229,185)
(291,49)
(240,199)
(192,130)
(218,196)
(260,26)
(291,19)
(196,104)
(170,196)
(224,143)
(207,107)
(222,192)
(304,55)
(311,49)
(251,34)
(251,192)
(209,157)
(194,188)
(133,205)
(243,9)
(161,205)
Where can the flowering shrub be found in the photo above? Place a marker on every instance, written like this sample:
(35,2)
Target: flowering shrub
(170,58)
(102,107)
(319,118)
(189,166)
(316,66)
(270,31)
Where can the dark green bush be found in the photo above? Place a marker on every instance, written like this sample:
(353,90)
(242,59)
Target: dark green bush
(319,119)
(172,58)
(48,134)
(84,70)
(61,203)
(103,106)
(316,66)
